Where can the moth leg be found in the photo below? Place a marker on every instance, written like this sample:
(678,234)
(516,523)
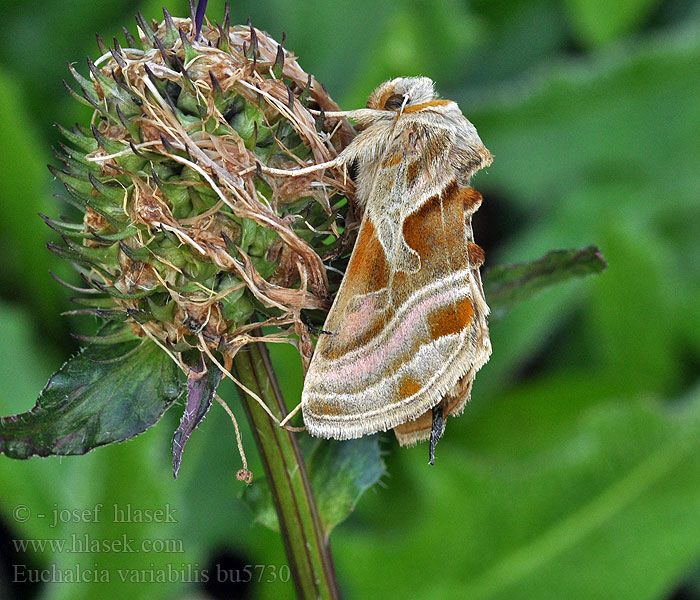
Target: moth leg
(436,431)
(476,255)
(419,430)
(313,328)
(331,164)
(318,331)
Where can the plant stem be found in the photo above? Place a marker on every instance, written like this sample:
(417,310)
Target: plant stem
(304,540)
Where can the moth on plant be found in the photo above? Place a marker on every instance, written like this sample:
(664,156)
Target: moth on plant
(407,331)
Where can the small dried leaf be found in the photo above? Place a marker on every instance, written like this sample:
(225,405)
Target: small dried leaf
(201,387)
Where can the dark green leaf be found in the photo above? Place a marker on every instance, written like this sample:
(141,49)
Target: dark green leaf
(102,395)
(257,497)
(592,29)
(340,473)
(612,484)
(505,286)
(23,195)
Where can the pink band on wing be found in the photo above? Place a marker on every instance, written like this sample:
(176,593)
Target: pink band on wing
(365,364)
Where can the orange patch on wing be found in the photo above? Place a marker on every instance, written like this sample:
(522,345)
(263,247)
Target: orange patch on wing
(359,318)
(422,105)
(417,225)
(368,269)
(476,255)
(325,409)
(413,169)
(450,193)
(436,232)
(450,318)
(408,386)
(393,160)
(472,199)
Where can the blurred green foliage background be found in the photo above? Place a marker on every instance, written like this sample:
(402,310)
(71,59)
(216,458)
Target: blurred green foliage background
(575,471)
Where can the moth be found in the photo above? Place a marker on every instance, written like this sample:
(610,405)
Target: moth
(408,329)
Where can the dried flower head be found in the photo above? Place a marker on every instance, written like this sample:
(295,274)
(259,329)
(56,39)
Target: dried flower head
(182,236)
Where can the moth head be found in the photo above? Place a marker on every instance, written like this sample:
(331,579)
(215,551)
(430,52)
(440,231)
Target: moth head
(398,93)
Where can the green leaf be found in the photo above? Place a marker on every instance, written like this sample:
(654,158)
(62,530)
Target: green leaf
(102,479)
(26,265)
(504,286)
(340,473)
(258,498)
(615,106)
(586,149)
(533,504)
(596,22)
(102,395)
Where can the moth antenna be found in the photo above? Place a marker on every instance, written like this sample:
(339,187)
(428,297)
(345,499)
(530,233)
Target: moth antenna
(318,331)
(313,328)
(436,430)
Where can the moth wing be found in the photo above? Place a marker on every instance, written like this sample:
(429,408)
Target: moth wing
(455,400)
(409,320)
